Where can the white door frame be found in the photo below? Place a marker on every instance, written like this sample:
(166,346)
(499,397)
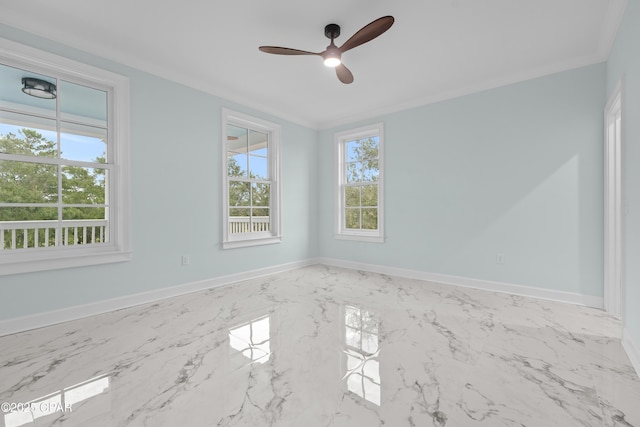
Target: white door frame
(613,204)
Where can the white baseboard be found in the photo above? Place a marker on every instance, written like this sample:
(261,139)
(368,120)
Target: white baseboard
(487,285)
(26,323)
(632,348)
(21,324)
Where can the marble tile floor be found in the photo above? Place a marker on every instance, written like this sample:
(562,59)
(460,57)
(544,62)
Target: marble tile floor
(323,346)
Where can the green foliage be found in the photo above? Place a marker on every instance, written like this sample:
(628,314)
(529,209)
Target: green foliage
(362,160)
(25,182)
(249,194)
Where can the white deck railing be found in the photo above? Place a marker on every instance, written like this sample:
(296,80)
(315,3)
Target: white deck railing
(38,234)
(242,224)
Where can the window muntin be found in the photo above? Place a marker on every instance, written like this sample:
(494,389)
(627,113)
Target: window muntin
(360,184)
(63,164)
(251,191)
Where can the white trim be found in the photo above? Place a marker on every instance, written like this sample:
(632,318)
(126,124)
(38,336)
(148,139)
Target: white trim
(613,151)
(340,138)
(359,237)
(117,87)
(632,348)
(275,135)
(466,282)
(64,260)
(25,323)
(251,242)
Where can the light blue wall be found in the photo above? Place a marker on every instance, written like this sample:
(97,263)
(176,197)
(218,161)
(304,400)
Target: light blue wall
(515,170)
(176,198)
(625,61)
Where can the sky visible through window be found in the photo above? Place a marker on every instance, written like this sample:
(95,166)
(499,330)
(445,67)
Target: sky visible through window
(75,147)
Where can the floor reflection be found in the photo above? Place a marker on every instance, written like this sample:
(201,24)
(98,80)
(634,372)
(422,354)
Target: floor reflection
(65,401)
(252,339)
(362,349)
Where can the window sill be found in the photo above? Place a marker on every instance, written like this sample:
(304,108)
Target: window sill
(42,261)
(231,244)
(360,237)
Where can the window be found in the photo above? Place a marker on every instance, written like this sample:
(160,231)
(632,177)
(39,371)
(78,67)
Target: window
(251,180)
(360,184)
(63,162)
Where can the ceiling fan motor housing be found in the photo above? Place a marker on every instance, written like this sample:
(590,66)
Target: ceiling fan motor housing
(332,31)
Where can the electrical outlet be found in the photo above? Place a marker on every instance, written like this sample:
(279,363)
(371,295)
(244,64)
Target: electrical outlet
(500,259)
(185,260)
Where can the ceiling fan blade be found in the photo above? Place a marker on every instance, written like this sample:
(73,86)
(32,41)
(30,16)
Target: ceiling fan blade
(368,33)
(344,75)
(285,51)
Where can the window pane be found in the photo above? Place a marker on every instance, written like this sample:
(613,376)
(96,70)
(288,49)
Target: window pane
(83,186)
(82,103)
(23,182)
(370,170)
(27,214)
(353,151)
(33,227)
(261,194)
(84,143)
(369,149)
(370,218)
(258,143)
(239,212)
(82,226)
(237,159)
(236,139)
(237,164)
(27,135)
(11,95)
(259,167)
(352,218)
(354,172)
(239,220)
(239,193)
(260,220)
(370,195)
(69,214)
(352,196)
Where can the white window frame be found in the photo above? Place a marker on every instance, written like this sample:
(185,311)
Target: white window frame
(341,138)
(274,131)
(118,249)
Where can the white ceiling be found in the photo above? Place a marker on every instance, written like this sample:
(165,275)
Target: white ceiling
(437,49)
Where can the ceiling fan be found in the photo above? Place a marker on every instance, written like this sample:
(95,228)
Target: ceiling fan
(332,56)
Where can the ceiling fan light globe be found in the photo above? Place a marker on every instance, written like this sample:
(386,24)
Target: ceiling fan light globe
(332,61)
